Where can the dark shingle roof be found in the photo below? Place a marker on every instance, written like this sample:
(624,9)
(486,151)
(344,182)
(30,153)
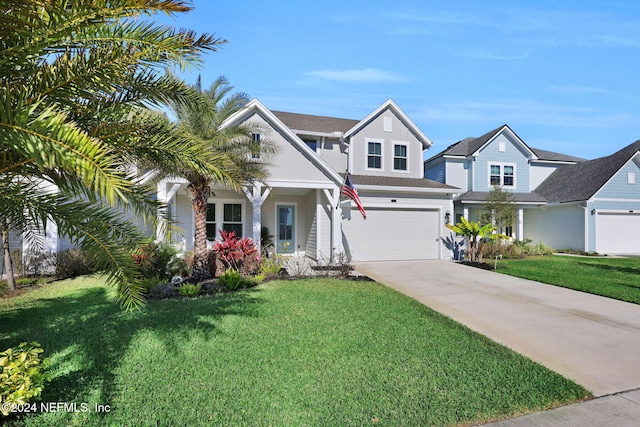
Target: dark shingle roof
(314,123)
(581,181)
(468,146)
(481,196)
(398,182)
(556,157)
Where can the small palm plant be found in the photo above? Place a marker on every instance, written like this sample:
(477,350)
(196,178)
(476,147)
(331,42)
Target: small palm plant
(476,235)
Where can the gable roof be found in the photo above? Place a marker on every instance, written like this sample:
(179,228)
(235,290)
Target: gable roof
(307,122)
(390,105)
(256,107)
(581,181)
(469,146)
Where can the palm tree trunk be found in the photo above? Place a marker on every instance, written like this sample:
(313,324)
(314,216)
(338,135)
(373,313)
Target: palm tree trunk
(199,195)
(8,265)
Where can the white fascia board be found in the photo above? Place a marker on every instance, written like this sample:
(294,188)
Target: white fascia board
(300,184)
(348,204)
(513,134)
(479,202)
(392,189)
(334,135)
(255,106)
(617,211)
(426,142)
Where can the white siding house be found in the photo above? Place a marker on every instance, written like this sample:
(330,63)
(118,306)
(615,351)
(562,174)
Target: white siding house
(301,202)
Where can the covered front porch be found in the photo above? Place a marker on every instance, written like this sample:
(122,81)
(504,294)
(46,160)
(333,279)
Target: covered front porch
(300,217)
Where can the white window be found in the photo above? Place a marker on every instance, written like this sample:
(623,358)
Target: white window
(502,174)
(508,176)
(211,222)
(399,157)
(631,178)
(311,143)
(255,147)
(374,155)
(232,218)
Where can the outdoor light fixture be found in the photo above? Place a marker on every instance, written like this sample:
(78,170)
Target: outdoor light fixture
(447,217)
(593,211)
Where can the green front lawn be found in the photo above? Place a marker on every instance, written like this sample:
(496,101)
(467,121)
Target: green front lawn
(306,352)
(617,278)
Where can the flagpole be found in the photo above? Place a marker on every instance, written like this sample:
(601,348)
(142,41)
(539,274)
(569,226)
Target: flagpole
(346,173)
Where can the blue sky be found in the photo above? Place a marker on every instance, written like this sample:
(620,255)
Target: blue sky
(562,74)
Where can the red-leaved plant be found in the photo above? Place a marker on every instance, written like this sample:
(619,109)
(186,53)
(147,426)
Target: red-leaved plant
(235,252)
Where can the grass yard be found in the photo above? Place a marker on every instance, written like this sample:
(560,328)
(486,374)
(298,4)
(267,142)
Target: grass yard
(617,278)
(306,352)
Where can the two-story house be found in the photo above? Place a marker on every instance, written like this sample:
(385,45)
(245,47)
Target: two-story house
(562,201)
(301,203)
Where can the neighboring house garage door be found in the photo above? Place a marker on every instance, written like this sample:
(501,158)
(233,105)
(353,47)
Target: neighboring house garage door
(392,234)
(618,233)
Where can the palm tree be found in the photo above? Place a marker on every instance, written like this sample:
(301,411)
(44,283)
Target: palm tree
(234,145)
(76,79)
(476,234)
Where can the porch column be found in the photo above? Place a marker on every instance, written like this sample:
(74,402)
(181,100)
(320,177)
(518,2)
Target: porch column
(257,198)
(520,224)
(465,213)
(333,196)
(336,223)
(165,198)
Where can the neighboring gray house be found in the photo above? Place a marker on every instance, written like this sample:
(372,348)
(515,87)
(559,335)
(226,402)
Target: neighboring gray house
(562,201)
(301,200)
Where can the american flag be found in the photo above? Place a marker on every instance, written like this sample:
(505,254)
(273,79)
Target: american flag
(349,190)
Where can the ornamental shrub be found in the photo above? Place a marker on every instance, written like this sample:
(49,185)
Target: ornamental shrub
(22,375)
(271,267)
(189,289)
(233,280)
(159,260)
(235,253)
(72,263)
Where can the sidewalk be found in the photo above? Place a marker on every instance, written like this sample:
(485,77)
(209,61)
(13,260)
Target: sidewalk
(592,340)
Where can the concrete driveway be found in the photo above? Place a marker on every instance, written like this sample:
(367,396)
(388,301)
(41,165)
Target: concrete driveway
(592,340)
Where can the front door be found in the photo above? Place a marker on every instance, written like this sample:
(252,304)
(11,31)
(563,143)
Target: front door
(286,229)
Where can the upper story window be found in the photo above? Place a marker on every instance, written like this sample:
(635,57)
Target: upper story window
(311,143)
(374,155)
(399,157)
(508,176)
(502,174)
(255,146)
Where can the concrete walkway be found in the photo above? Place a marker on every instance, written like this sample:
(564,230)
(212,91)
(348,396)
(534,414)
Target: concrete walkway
(592,340)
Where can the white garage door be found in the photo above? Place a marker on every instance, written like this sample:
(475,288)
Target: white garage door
(392,234)
(618,233)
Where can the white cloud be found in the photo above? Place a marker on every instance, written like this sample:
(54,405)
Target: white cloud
(366,75)
(526,111)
